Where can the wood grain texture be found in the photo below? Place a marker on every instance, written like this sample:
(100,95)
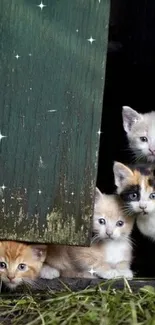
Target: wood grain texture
(50,112)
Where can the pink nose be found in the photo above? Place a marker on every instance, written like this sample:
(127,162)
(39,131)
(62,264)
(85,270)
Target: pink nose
(143,208)
(109,233)
(10,277)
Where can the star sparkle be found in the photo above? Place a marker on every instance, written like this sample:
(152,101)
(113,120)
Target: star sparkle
(2,136)
(92,271)
(41,6)
(3,187)
(17,56)
(91,39)
(99,132)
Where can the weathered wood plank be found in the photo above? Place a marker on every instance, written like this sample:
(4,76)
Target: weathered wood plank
(51,93)
(78,284)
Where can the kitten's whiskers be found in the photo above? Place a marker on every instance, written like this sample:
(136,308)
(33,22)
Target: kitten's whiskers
(95,238)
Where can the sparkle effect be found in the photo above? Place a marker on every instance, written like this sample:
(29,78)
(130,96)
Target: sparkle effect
(91,40)
(3,187)
(39,192)
(2,136)
(92,271)
(17,56)
(41,6)
(52,110)
(99,132)
(72,193)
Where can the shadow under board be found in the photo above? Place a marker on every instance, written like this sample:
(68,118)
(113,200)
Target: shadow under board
(74,284)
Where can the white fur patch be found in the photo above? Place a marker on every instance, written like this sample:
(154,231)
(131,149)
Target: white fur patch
(48,272)
(110,274)
(126,273)
(115,251)
(146,225)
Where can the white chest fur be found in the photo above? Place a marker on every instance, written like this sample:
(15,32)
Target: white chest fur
(116,251)
(147,225)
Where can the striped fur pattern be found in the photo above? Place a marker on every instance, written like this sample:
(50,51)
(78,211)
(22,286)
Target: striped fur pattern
(20,262)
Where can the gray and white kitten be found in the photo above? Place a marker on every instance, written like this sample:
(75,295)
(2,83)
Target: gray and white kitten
(140,131)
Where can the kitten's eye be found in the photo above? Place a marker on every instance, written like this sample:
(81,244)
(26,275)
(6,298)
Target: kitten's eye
(152,196)
(3,265)
(143,139)
(102,221)
(133,196)
(119,223)
(22,267)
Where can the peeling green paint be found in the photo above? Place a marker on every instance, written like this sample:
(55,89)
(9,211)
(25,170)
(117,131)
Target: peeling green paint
(56,231)
(51,95)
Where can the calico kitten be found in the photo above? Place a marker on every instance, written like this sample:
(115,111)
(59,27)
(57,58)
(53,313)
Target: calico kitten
(140,131)
(20,262)
(110,253)
(136,187)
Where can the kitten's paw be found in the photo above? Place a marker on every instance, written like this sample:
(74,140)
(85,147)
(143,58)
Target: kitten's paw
(110,274)
(48,272)
(126,273)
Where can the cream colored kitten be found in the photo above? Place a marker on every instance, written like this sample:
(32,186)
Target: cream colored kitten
(20,262)
(140,131)
(108,257)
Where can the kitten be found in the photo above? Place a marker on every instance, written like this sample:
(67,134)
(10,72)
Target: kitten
(20,262)
(110,253)
(140,131)
(136,187)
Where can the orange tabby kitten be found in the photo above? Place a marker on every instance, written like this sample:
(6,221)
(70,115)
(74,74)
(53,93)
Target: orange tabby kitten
(20,262)
(110,253)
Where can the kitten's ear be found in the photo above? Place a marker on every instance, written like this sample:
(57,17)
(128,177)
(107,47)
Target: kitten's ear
(121,174)
(130,116)
(39,252)
(98,195)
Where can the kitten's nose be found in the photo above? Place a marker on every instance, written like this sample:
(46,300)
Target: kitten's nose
(143,206)
(11,277)
(109,233)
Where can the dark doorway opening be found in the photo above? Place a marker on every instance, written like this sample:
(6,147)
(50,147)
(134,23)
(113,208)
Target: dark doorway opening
(129,81)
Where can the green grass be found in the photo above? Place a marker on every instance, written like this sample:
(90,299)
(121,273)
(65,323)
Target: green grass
(90,306)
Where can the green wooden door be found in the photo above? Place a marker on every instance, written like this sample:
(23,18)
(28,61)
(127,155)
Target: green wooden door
(52,67)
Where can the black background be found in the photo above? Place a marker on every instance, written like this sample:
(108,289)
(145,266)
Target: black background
(130,80)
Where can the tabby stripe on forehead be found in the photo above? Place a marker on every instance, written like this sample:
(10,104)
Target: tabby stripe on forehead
(130,190)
